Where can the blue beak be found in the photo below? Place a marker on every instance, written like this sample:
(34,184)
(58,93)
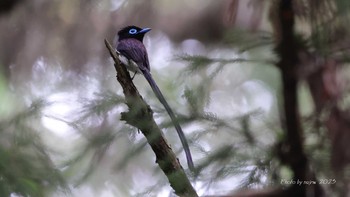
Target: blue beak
(145,30)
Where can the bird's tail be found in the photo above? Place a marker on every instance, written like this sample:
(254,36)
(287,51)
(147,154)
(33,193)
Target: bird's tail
(178,128)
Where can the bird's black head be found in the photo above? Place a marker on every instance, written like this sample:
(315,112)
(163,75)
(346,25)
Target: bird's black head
(132,32)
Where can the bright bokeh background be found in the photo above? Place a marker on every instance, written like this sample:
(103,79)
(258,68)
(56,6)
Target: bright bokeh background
(57,82)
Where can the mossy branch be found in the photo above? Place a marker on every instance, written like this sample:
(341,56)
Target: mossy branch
(140,115)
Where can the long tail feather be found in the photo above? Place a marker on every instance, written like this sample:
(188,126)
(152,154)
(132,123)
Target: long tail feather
(178,128)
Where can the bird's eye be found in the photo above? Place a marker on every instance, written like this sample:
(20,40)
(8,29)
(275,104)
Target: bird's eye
(132,31)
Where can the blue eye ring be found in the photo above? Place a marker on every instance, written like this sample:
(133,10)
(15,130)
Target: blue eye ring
(132,31)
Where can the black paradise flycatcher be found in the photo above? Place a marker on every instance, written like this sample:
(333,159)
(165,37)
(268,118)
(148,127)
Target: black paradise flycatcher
(130,45)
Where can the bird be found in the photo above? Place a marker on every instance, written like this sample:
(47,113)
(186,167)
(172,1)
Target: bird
(130,44)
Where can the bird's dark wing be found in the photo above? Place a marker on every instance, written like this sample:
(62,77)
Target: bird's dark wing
(134,50)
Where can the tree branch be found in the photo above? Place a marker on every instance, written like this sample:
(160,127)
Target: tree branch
(140,115)
(292,152)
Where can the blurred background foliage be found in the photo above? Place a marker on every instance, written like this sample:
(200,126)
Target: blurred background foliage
(60,103)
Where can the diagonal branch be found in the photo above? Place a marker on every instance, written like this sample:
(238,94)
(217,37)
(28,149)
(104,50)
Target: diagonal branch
(140,115)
